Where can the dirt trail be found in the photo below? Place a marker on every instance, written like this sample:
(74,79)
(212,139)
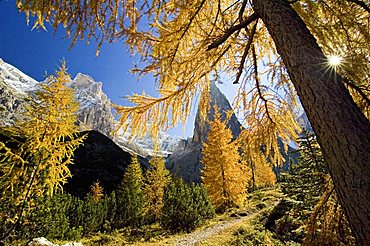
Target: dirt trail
(199,236)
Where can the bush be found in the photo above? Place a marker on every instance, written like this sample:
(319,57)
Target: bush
(50,219)
(66,217)
(186,206)
(252,236)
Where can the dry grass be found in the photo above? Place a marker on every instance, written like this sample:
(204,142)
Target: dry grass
(153,235)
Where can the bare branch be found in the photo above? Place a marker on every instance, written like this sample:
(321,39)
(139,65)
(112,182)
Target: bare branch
(246,51)
(258,85)
(241,11)
(231,30)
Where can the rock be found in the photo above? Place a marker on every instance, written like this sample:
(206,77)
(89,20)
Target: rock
(185,160)
(41,241)
(73,244)
(98,159)
(95,107)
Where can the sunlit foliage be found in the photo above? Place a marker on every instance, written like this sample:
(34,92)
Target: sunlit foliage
(342,28)
(316,212)
(96,191)
(130,196)
(187,44)
(156,179)
(41,146)
(223,175)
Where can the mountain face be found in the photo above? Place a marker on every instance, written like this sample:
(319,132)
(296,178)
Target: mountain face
(185,160)
(201,127)
(95,107)
(94,113)
(14,88)
(98,159)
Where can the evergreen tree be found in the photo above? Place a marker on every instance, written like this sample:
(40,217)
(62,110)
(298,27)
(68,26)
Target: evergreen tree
(36,163)
(223,176)
(312,210)
(189,43)
(186,206)
(156,177)
(130,196)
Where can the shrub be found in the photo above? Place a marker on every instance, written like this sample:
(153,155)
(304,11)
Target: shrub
(66,217)
(186,206)
(50,219)
(252,236)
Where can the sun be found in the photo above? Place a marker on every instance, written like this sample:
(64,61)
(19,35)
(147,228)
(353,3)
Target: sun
(335,60)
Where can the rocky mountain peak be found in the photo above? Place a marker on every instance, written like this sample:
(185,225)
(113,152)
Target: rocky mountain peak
(201,126)
(95,107)
(185,160)
(94,113)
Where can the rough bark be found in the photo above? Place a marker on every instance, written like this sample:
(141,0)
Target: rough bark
(342,130)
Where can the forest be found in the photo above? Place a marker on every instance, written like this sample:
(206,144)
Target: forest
(287,57)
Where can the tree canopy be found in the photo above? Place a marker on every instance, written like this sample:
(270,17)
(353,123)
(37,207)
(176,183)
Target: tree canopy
(274,49)
(223,175)
(185,45)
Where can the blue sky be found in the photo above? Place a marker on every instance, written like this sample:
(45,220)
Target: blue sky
(37,52)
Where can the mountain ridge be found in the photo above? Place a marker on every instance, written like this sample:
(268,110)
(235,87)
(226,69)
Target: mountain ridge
(95,112)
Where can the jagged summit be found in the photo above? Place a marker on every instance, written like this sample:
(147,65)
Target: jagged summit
(185,160)
(15,79)
(94,113)
(95,107)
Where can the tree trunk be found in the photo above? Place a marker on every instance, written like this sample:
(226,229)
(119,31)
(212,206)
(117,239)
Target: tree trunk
(342,130)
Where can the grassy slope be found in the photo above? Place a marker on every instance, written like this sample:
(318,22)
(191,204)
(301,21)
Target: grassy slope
(153,235)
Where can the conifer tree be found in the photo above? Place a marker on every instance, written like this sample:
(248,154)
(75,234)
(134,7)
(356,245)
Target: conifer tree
(96,191)
(37,161)
(258,169)
(315,207)
(223,175)
(156,177)
(130,196)
(289,41)
(186,206)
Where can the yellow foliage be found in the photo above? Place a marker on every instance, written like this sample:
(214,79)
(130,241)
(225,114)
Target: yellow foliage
(259,170)
(44,144)
(187,44)
(156,177)
(223,175)
(96,191)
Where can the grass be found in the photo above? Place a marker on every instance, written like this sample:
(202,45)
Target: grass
(256,203)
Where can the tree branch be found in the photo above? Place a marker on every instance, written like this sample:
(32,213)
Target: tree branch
(246,51)
(357,89)
(361,4)
(258,83)
(241,11)
(231,30)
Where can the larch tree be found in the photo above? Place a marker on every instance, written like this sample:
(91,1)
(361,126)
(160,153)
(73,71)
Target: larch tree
(156,179)
(35,160)
(130,196)
(258,168)
(96,191)
(276,50)
(223,176)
